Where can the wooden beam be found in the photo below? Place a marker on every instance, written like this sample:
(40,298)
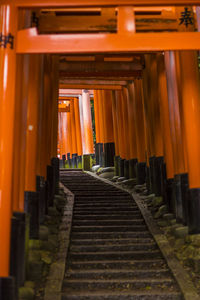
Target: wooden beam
(89,3)
(62,109)
(28,41)
(91,82)
(105,23)
(93,87)
(108,74)
(99,67)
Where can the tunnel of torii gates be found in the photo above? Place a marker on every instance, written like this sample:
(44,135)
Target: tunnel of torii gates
(138,61)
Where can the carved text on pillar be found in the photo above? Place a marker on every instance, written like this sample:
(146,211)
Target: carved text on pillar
(6,40)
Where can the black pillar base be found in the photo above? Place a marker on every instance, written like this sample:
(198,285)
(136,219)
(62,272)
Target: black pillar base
(41,189)
(194,211)
(163,181)
(170,199)
(178,198)
(17,252)
(148,183)
(109,153)
(151,174)
(156,174)
(126,169)
(63,160)
(51,185)
(32,208)
(132,167)
(74,160)
(116,164)
(79,162)
(101,154)
(141,172)
(158,163)
(97,153)
(55,165)
(121,167)
(8,288)
(185,196)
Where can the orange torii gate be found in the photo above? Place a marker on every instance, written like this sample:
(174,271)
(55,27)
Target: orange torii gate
(28,41)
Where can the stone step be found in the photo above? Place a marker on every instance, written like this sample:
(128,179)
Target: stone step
(105,210)
(116,248)
(126,255)
(108,223)
(112,242)
(105,204)
(118,274)
(108,228)
(119,285)
(152,264)
(133,295)
(105,217)
(108,235)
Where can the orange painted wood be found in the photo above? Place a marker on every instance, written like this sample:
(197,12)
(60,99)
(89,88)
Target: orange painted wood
(87,3)
(131,121)
(191,112)
(139,121)
(8,24)
(88,145)
(107,116)
(32,123)
(126,123)
(73,128)
(118,95)
(78,127)
(115,124)
(165,119)
(101,118)
(96,112)
(174,113)
(30,42)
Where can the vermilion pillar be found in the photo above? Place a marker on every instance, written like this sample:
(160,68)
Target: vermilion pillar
(101,127)
(8,28)
(88,146)
(109,146)
(32,122)
(152,112)
(167,140)
(180,166)
(73,135)
(126,131)
(97,125)
(132,130)
(119,99)
(78,132)
(140,133)
(86,128)
(116,133)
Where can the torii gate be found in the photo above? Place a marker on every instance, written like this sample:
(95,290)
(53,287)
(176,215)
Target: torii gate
(16,40)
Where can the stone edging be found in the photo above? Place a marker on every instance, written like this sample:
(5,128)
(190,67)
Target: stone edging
(53,288)
(186,286)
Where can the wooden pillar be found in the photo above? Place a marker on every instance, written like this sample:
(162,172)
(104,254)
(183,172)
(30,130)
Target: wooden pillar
(167,140)
(126,131)
(8,28)
(32,123)
(152,111)
(78,132)
(73,135)
(97,127)
(132,130)
(116,133)
(140,134)
(78,127)
(109,146)
(119,100)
